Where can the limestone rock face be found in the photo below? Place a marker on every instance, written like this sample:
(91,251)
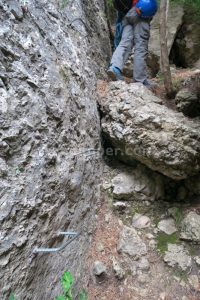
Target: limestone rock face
(48,120)
(175,19)
(190,227)
(188,103)
(186,46)
(142,129)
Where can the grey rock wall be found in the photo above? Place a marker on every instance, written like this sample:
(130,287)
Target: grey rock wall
(50,58)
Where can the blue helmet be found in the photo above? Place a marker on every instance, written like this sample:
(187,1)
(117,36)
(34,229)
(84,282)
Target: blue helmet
(146,8)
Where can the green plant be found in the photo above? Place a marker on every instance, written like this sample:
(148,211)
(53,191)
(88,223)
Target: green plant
(67,282)
(177,84)
(83,295)
(12,297)
(164,239)
(178,215)
(63,3)
(160,77)
(110,3)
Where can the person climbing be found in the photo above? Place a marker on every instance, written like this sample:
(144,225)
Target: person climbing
(136,32)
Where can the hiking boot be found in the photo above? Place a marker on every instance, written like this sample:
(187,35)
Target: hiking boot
(149,84)
(114,73)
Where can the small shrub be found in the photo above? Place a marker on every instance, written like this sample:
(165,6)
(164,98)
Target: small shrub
(67,282)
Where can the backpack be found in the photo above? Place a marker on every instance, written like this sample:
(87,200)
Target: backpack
(123,5)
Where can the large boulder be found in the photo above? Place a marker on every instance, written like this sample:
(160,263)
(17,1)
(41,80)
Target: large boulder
(140,128)
(141,184)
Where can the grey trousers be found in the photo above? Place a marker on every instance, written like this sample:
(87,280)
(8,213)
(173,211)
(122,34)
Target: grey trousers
(135,33)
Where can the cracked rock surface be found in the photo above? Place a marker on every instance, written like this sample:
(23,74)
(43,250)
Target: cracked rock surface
(140,128)
(176,255)
(190,227)
(130,243)
(48,120)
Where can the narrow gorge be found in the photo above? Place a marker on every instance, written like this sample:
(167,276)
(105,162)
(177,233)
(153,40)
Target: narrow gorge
(112,162)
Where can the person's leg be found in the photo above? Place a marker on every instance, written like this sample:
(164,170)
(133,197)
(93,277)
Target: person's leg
(141,40)
(124,48)
(118,29)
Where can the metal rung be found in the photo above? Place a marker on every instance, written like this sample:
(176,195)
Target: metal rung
(52,250)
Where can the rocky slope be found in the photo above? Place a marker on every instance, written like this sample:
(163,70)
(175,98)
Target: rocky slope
(48,120)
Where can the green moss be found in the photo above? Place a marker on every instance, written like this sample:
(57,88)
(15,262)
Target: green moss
(64,73)
(128,273)
(193,249)
(164,239)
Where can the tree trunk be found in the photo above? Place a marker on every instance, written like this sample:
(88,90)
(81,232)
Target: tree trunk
(164,49)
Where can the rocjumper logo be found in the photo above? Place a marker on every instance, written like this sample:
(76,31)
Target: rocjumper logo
(24,2)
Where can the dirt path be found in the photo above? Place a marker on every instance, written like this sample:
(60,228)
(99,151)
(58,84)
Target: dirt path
(156,282)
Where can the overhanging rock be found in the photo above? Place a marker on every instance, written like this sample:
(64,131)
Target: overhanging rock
(140,128)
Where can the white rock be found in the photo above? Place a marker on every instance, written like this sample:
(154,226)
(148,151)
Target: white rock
(152,244)
(197,259)
(162,296)
(190,227)
(99,268)
(194,281)
(139,221)
(137,185)
(120,205)
(144,264)
(167,226)
(176,255)
(130,243)
(119,272)
(149,236)
(143,278)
